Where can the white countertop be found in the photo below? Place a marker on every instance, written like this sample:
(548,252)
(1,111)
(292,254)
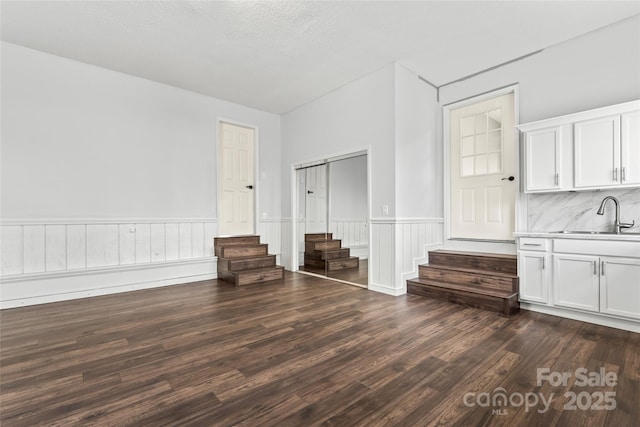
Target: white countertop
(548,235)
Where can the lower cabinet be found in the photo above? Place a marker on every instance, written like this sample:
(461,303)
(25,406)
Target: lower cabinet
(620,286)
(533,273)
(576,282)
(591,276)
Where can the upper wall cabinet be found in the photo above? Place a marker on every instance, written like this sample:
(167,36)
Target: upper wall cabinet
(548,154)
(583,151)
(597,152)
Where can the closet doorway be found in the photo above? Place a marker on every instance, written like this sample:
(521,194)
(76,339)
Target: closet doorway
(332,211)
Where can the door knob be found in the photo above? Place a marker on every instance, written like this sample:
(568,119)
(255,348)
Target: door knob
(509,178)
(309,192)
(250,187)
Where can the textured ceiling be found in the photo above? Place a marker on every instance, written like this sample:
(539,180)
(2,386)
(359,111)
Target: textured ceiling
(278,55)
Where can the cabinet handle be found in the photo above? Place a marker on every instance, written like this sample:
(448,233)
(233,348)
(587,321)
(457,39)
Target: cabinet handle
(602,268)
(595,268)
(615,174)
(531,244)
(543,264)
(622,173)
(557,179)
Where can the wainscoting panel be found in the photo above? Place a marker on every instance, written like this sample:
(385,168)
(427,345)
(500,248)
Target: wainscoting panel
(271,233)
(398,246)
(353,232)
(35,251)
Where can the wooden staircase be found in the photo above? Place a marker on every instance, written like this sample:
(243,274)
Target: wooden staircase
(243,260)
(487,281)
(323,252)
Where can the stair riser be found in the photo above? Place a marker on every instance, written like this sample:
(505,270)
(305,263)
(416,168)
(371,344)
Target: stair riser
(242,251)
(465,278)
(250,278)
(320,245)
(327,255)
(501,305)
(314,263)
(234,265)
(318,237)
(335,265)
(488,263)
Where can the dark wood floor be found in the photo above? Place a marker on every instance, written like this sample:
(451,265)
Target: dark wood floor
(305,352)
(358,276)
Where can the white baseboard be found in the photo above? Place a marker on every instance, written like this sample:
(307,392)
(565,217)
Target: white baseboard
(387,290)
(43,288)
(627,325)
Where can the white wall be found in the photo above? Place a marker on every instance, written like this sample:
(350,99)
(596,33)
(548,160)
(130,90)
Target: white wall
(103,170)
(82,141)
(595,70)
(351,118)
(395,115)
(419,179)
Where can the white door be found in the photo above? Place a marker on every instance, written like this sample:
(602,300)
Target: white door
(235,180)
(483,167)
(316,199)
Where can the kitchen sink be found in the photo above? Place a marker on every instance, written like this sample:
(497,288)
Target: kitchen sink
(610,233)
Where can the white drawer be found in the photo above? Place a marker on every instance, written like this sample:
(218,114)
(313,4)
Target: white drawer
(533,244)
(597,247)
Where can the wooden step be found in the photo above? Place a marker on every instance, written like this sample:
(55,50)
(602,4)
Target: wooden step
(496,300)
(332,264)
(499,263)
(253,276)
(319,245)
(241,251)
(218,242)
(328,254)
(309,237)
(469,277)
(246,263)
(343,264)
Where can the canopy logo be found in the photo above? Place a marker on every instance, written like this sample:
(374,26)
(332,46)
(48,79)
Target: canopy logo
(499,399)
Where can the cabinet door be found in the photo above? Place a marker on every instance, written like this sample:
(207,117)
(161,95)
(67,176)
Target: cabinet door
(630,148)
(620,287)
(576,281)
(597,152)
(542,151)
(532,273)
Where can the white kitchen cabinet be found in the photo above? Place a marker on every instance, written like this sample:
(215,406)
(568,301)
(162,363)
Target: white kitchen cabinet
(630,148)
(620,286)
(597,152)
(533,276)
(576,281)
(544,168)
(582,151)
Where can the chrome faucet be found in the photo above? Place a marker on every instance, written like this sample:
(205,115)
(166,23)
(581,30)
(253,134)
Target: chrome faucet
(617,226)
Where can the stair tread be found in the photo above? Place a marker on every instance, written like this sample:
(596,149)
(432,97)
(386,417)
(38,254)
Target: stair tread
(475,254)
(467,288)
(470,270)
(250,257)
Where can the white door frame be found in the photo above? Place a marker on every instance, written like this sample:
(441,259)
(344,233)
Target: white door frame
(520,214)
(256,169)
(294,198)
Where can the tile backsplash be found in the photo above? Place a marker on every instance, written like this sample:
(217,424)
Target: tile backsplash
(577,210)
